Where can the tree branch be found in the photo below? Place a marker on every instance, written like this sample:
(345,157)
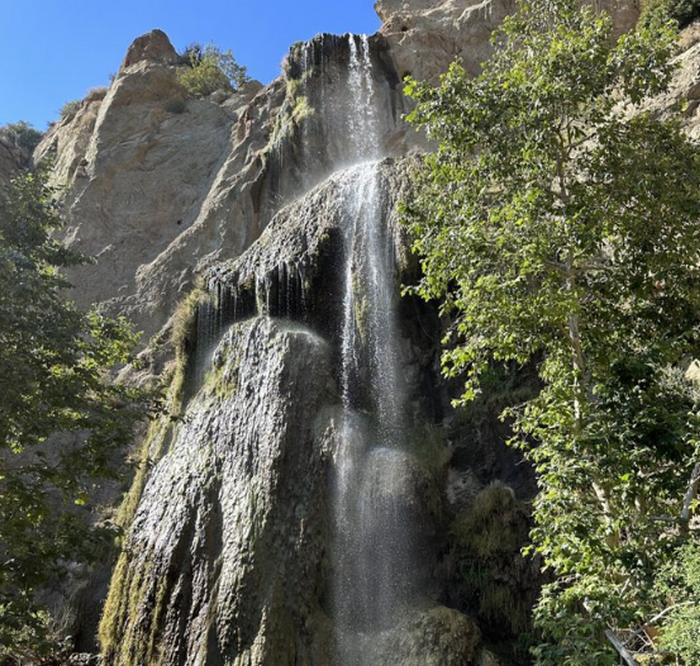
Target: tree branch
(689,497)
(621,649)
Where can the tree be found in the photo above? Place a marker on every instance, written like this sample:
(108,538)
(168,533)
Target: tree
(208,69)
(558,224)
(682,11)
(28,137)
(62,418)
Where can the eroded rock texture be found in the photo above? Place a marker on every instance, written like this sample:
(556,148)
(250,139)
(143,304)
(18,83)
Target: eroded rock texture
(231,556)
(13,155)
(223,559)
(426,35)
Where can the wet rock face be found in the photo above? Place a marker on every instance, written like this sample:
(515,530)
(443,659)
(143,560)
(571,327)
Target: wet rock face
(230,556)
(223,558)
(295,268)
(437,636)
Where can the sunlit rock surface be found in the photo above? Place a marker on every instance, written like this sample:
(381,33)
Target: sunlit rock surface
(304,507)
(425,36)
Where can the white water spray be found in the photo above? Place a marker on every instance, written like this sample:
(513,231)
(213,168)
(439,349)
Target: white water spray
(373,545)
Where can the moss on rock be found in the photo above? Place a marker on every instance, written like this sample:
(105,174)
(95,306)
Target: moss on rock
(496,582)
(438,636)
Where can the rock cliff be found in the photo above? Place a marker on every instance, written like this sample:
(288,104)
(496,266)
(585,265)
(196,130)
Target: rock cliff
(311,420)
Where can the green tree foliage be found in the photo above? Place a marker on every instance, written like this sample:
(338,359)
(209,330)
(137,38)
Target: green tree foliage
(62,420)
(208,69)
(683,12)
(27,137)
(558,224)
(679,585)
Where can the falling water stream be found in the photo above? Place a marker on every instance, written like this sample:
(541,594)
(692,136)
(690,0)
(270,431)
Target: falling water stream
(372,555)
(374,544)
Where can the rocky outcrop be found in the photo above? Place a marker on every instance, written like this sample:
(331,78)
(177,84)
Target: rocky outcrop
(138,167)
(223,559)
(425,36)
(154,47)
(684,93)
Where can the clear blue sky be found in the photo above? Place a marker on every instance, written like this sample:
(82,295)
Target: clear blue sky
(56,50)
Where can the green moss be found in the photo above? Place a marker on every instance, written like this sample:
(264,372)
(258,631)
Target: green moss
(127,589)
(120,636)
(221,380)
(301,110)
(114,610)
(160,431)
(293,87)
(184,319)
(486,541)
(480,528)
(295,109)
(431,451)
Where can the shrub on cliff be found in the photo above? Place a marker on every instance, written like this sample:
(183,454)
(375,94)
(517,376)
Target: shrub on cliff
(558,224)
(69,109)
(208,69)
(27,137)
(684,12)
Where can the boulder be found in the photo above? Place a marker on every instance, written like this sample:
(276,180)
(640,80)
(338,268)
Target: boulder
(438,636)
(153,47)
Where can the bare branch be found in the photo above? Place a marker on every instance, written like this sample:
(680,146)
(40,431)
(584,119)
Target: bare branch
(690,496)
(621,649)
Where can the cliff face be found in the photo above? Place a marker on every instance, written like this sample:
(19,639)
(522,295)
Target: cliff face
(160,187)
(308,504)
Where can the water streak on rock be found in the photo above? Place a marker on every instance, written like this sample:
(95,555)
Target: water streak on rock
(373,549)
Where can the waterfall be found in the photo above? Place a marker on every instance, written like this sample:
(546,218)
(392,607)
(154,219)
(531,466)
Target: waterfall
(373,551)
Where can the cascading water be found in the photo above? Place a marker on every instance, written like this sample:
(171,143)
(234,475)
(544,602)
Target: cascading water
(228,559)
(373,546)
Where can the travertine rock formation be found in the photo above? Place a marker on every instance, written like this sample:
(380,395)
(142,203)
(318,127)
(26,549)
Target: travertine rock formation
(229,558)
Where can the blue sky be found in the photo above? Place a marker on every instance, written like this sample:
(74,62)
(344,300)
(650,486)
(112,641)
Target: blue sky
(56,50)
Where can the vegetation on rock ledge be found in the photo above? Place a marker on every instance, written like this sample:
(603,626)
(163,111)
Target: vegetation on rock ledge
(207,69)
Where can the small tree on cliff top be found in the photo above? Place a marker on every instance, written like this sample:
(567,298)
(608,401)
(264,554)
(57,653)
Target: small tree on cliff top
(559,225)
(208,68)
